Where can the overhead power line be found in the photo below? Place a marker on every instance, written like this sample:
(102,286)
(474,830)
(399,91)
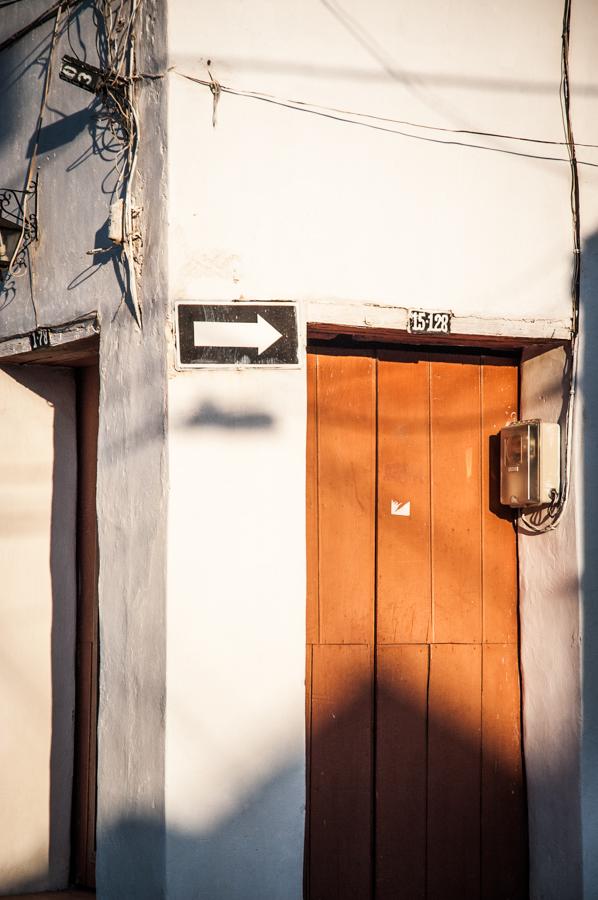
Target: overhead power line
(547,520)
(342,115)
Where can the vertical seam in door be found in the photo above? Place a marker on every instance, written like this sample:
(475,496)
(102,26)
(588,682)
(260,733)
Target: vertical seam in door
(481,432)
(307,885)
(317,491)
(431,504)
(482,612)
(519,663)
(375,642)
(426,838)
(431,628)
(318,543)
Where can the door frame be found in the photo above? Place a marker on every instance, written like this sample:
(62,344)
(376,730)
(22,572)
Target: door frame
(82,358)
(550,628)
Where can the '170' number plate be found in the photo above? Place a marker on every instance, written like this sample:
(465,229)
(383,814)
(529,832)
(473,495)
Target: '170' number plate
(422,321)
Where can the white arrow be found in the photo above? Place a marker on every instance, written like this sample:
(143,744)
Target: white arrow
(258,334)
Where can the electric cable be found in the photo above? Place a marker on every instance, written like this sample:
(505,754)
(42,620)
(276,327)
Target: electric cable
(119,19)
(40,120)
(119,51)
(118,95)
(547,520)
(340,115)
(69,39)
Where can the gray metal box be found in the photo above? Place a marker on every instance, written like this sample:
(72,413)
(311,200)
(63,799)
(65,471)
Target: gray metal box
(530,463)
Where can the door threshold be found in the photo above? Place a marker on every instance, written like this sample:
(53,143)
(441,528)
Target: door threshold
(67,894)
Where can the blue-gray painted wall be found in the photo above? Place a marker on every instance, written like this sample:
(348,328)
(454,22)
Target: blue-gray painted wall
(63,283)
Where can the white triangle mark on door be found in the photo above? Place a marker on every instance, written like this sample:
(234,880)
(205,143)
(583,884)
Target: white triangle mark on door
(400,509)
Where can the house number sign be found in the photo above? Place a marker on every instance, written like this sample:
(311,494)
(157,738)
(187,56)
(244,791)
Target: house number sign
(423,321)
(39,338)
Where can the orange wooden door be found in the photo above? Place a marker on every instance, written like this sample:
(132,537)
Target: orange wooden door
(415,772)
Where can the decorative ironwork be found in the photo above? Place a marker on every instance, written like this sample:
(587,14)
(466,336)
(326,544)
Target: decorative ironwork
(18,210)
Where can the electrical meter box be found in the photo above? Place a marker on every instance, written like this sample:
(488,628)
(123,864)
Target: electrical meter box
(530,463)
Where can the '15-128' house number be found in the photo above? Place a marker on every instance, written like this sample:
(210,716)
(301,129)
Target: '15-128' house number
(423,321)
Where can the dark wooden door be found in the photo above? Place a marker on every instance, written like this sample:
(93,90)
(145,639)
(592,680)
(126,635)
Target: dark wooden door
(415,772)
(85,769)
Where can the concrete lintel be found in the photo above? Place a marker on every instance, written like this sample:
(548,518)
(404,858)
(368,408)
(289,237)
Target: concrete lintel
(372,315)
(58,336)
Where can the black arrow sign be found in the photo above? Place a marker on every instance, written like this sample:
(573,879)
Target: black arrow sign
(233,334)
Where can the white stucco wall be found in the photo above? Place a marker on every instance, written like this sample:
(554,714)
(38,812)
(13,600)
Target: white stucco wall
(38,477)
(356,222)
(550,625)
(235,775)
(585,67)
(275,203)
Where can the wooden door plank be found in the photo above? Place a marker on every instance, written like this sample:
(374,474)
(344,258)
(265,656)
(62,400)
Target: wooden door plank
(346,388)
(312,502)
(341,773)
(504,832)
(404,577)
(454,711)
(308,730)
(456,492)
(499,581)
(401,776)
